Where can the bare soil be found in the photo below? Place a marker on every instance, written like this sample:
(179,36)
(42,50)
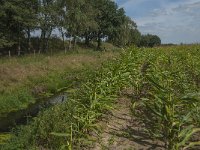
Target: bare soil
(120,131)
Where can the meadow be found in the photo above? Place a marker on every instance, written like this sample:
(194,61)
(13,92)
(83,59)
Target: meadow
(164,96)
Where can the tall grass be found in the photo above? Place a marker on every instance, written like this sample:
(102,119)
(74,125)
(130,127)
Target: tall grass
(25,79)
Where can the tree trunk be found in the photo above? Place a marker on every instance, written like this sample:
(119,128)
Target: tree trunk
(65,49)
(19,47)
(63,38)
(42,41)
(74,43)
(9,54)
(46,39)
(47,45)
(87,40)
(19,42)
(70,43)
(29,40)
(99,42)
(39,45)
(34,52)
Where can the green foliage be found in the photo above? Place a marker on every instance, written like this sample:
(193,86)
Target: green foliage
(77,117)
(14,100)
(15,17)
(34,78)
(126,34)
(160,101)
(76,19)
(4,137)
(149,40)
(165,100)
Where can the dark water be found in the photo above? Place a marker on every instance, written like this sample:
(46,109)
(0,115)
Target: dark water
(22,116)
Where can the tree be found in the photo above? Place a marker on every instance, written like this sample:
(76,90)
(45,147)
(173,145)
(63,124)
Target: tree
(62,20)
(30,19)
(150,40)
(16,17)
(4,36)
(84,19)
(154,41)
(108,18)
(11,23)
(47,21)
(126,34)
(89,25)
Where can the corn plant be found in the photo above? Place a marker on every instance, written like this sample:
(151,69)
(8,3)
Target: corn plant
(161,79)
(69,143)
(168,116)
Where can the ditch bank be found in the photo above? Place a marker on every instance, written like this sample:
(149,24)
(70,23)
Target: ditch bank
(23,116)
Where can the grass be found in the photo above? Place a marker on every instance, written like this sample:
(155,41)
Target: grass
(165,83)
(25,79)
(71,122)
(4,137)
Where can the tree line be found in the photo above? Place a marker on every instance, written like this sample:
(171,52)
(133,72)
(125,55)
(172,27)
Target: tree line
(85,20)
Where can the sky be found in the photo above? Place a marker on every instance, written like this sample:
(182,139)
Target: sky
(174,21)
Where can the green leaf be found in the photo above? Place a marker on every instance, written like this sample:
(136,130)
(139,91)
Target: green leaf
(60,134)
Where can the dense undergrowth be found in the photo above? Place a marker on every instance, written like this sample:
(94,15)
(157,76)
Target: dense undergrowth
(165,99)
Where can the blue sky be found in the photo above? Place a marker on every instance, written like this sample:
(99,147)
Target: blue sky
(174,21)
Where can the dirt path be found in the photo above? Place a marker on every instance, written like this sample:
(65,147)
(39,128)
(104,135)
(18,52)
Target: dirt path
(122,132)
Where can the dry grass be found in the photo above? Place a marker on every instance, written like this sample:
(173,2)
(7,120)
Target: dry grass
(15,72)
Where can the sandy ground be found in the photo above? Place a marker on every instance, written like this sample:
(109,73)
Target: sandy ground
(122,132)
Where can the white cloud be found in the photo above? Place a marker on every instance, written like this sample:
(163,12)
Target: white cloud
(174,21)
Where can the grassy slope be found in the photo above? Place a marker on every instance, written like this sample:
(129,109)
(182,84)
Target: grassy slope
(25,78)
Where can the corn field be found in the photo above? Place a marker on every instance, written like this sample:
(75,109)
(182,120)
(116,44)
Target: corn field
(165,98)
